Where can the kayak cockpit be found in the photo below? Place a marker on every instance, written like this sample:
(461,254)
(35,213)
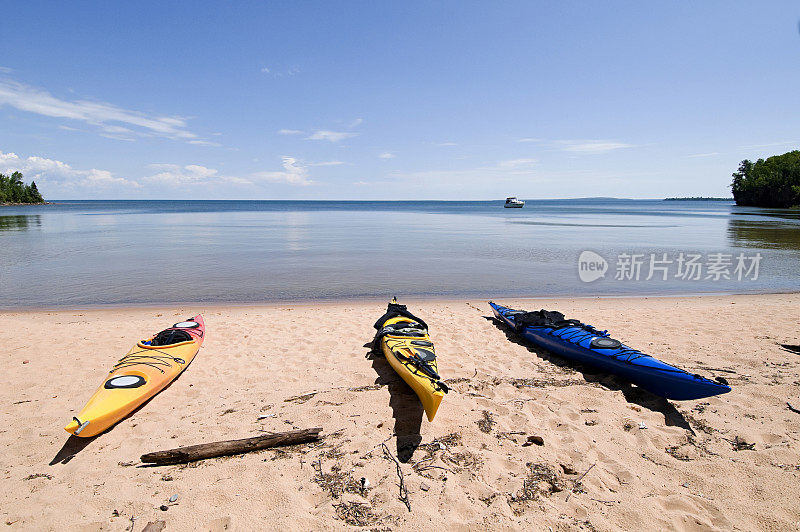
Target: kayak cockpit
(167,337)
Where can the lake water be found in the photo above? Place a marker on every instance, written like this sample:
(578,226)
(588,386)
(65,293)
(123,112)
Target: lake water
(87,253)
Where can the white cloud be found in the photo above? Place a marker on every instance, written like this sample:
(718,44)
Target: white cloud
(516,163)
(361,183)
(355,123)
(591,146)
(54,172)
(387,155)
(280,73)
(204,143)
(530,139)
(294,173)
(105,178)
(290,132)
(5,70)
(331,136)
(173,174)
(476,178)
(108,118)
(710,154)
(771,144)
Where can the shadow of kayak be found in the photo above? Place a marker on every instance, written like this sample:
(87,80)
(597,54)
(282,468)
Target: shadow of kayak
(632,393)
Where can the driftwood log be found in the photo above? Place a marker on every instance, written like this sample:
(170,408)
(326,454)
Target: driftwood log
(228,447)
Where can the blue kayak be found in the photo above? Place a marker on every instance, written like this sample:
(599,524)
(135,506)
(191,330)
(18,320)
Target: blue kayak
(583,343)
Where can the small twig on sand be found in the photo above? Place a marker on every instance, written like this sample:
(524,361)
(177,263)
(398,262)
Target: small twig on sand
(717,369)
(473,394)
(376,447)
(793,409)
(578,481)
(403,490)
(424,465)
(607,503)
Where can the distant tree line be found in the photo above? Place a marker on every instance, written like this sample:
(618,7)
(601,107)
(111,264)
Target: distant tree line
(697,198)
(14,190)
(772,182)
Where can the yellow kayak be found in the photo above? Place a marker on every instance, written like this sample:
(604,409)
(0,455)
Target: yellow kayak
(406,345)
(147,368)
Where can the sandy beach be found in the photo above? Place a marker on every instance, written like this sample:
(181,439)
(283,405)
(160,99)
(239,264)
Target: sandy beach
(613,456)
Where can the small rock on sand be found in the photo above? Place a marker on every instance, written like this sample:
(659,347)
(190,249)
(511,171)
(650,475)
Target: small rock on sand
(538,440)
(568,469)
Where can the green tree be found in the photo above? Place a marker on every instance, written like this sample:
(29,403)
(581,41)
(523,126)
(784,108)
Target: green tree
(13,189)
(34,194)
(771,182)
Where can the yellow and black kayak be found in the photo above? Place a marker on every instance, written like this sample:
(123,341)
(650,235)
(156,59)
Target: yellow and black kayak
(146,370)
(404,341)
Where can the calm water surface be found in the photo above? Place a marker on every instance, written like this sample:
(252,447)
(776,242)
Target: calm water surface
(83,253)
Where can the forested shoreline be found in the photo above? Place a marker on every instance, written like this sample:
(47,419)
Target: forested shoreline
(771,182)
(14,191)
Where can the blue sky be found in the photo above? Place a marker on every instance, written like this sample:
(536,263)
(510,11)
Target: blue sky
(378,100)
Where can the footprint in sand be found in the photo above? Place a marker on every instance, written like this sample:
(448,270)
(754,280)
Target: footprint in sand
(218,525)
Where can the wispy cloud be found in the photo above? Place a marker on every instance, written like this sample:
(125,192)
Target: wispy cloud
(291,71)
(290,132)
(294,173)
(204,143)
(446,144)
(355,123)
(772,144)
(5,70)
(110,119)
(387,155)
(697,155)
(516,163)
(591,146)
(486,176)
(52,171)
(173,174)
(330,136)
(530,139)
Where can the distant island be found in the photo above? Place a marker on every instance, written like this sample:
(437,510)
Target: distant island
(698,198)
(774,182)
(13,191)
